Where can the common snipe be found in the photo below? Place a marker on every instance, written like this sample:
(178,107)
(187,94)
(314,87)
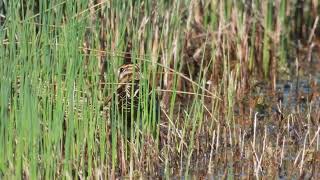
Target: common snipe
(134,102)
(128,88)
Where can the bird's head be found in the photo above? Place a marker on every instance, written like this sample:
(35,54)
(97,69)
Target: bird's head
(128,72)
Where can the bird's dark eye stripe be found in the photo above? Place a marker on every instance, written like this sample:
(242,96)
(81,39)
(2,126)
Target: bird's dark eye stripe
(121,69)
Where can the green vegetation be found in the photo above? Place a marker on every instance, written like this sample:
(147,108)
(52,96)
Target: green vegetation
(205,62)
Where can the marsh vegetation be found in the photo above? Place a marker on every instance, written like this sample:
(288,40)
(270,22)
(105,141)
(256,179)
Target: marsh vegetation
(225,89)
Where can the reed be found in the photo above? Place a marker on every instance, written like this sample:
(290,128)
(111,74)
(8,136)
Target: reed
(201,60)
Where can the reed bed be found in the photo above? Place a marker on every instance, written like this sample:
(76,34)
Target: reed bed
(237,83)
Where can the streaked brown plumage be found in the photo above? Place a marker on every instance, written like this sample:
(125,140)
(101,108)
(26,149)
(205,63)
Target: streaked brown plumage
(127,95)
(128,87)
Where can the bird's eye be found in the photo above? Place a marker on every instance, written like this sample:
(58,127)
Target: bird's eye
(121,70)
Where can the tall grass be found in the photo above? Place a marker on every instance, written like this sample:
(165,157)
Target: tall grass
(60,61)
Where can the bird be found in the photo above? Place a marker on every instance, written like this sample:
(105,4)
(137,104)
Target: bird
(128,99)
(128,88)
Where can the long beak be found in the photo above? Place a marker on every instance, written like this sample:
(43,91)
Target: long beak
(105,102)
